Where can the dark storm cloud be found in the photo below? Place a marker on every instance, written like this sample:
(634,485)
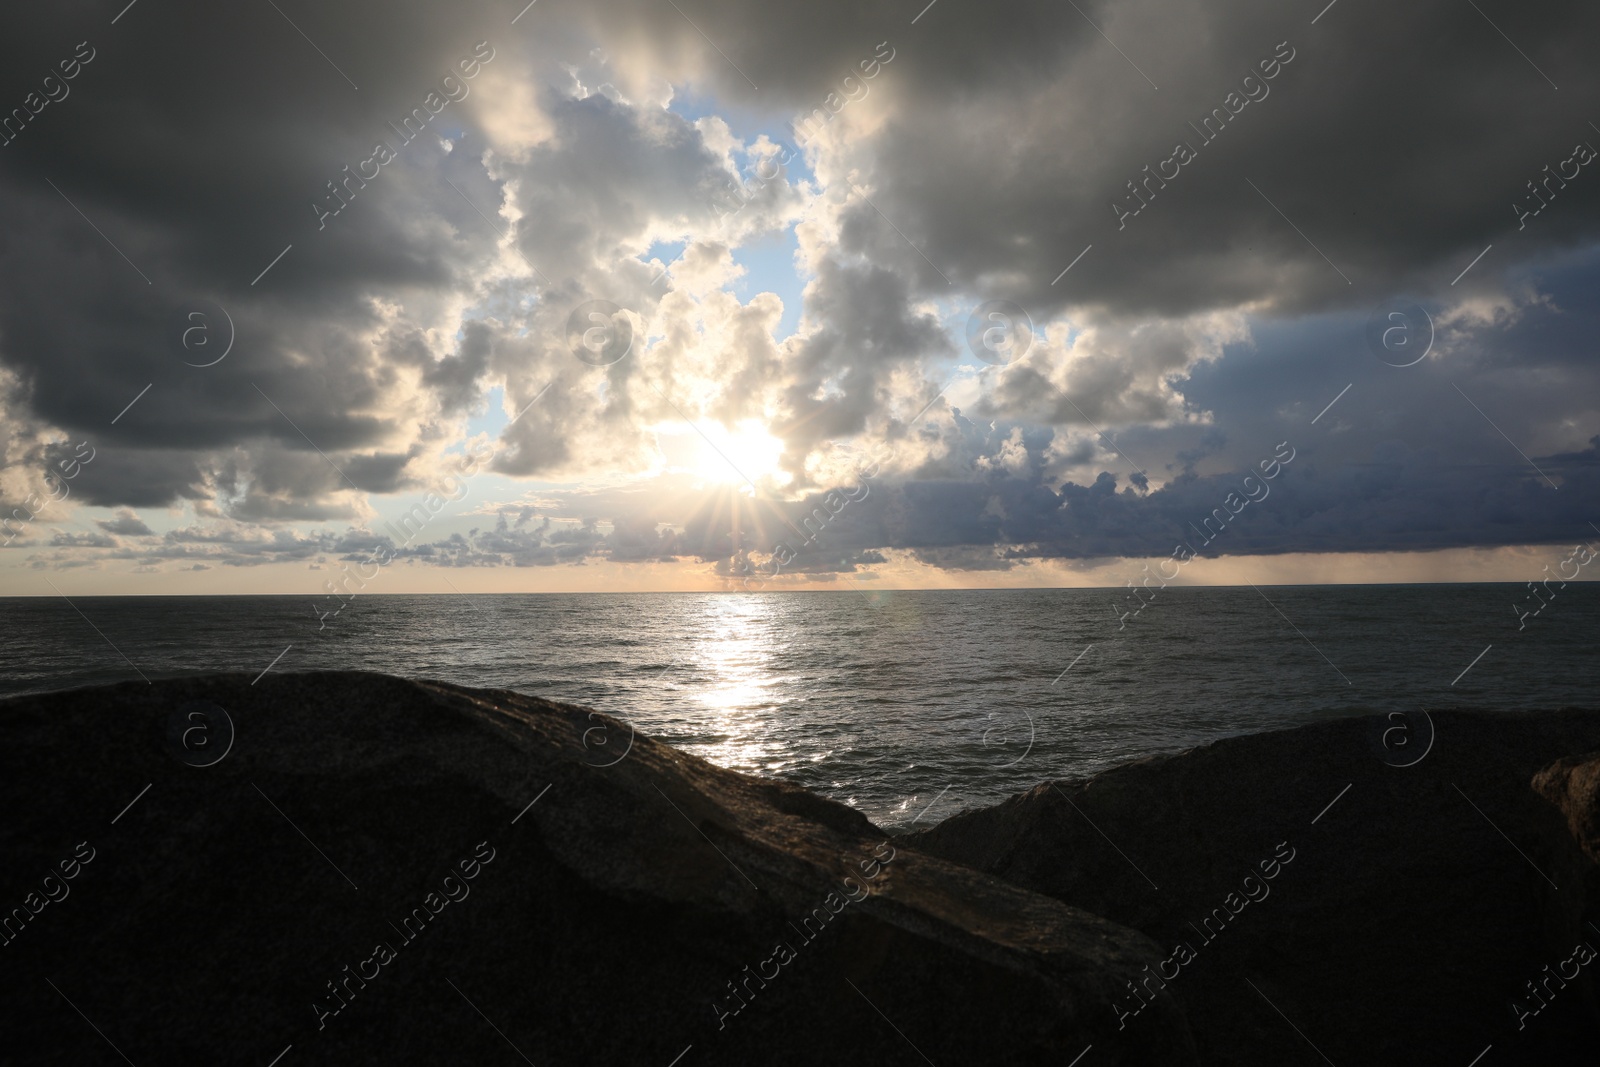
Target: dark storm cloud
(1404,502)
(195,142)
(1396,139)
(139,477)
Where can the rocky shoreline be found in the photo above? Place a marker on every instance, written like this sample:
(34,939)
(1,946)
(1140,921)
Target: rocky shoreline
(1423,905)
(267,857)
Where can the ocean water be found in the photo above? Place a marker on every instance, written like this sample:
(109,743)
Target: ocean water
(906,705)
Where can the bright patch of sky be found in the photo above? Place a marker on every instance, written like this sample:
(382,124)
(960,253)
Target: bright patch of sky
(769,263)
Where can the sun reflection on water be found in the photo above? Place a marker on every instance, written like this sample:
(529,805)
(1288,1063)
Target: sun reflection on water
(737,683)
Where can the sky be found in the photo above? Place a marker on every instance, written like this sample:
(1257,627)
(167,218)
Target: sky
(705,295)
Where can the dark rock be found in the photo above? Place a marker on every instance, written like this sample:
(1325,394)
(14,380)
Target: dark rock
(1572,784)
(585,897)
(1406,926)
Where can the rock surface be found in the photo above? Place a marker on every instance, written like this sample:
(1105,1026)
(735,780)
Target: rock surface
(1572,784)
(372,870)
(1418,903)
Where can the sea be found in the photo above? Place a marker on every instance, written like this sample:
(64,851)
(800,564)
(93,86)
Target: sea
(908,706)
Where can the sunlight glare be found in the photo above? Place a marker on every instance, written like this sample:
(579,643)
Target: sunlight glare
(748,450)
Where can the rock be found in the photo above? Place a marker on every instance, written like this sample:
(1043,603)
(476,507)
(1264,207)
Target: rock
(1418,903)
(368,870)
(1572,784)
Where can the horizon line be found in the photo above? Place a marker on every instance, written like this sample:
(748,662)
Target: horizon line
(770,592)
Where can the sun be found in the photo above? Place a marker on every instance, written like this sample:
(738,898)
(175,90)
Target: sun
(712,452)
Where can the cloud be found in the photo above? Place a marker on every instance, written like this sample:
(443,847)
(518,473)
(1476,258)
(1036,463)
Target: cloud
(1209,311)
(126,523)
